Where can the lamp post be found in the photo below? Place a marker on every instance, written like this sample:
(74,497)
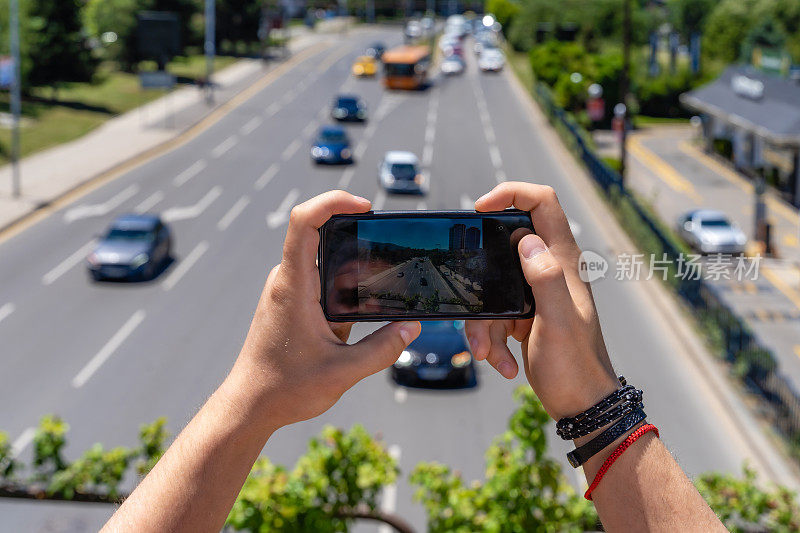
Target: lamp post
(623,85)
(16,97)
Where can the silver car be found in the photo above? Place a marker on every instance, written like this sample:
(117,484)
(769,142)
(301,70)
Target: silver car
(710,232)
(400,172)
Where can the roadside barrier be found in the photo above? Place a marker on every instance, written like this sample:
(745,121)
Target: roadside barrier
(754,364)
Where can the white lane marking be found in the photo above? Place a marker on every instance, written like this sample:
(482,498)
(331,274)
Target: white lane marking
(309,129)
(96,210)
(224,146)
(574,227)
(232,213)
(400,394)
(422,206)
(21,442)
(489,132)
(272,109)
(290,150)
(266,177)
(360,149)
(251,125)
(347,175)
(500,176)
(467,203)
(281,215)
(389,496)
(287,98)
(149,202)
(380,199)
(61,269)
(494,154)
(192,211)
(6,310)
(196,168)
(427,154)
(184,266)
(108,350)
(322,113)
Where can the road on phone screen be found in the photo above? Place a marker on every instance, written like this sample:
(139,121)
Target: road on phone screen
(109,357)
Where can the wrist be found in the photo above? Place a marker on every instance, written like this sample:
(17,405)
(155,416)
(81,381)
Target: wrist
(249,401)
(586,396)
(593,464)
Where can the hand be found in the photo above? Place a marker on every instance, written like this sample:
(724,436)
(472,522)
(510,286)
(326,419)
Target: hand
(295,364)
(563,352)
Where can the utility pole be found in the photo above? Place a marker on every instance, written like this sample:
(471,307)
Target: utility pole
(16,96)
(624,82)
(210,48)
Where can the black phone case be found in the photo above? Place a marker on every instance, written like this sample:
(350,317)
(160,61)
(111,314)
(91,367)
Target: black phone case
(421,316)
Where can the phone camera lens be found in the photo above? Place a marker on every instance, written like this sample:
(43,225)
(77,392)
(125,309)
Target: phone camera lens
(501,227)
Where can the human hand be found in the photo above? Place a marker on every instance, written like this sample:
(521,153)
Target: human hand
(295,364)
(563,352)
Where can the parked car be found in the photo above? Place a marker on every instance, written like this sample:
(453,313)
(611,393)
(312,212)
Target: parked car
(332,145)
(348,107)
(134,247)
(400,172)
(711,232)
(438,358)
(491,60)
(365,66)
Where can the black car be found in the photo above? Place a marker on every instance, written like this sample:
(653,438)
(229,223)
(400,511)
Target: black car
(134,247)
(376,50)
(438,358)
(348,107)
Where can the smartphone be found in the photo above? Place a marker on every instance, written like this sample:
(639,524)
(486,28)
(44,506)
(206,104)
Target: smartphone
(424,265)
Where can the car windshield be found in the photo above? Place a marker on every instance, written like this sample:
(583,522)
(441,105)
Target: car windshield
(332,137)
(117,234)
(399,69)
(351,104)
(403,171)
(714,223)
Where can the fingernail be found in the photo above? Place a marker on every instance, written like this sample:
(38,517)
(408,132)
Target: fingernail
(531,247)
(409,331)
(482,197)
(506,369)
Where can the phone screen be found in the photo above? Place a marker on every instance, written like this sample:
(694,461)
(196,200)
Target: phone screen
(380,266)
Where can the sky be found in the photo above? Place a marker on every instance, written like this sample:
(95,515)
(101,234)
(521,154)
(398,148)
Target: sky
(427,233)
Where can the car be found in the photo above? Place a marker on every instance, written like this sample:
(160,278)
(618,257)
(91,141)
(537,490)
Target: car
(438,358)
(491,60)
(365,66)
(412,30)
(133,247)
(348,107)
(332,145)
(452,65)
(376,50)
(399,172)
(710,232)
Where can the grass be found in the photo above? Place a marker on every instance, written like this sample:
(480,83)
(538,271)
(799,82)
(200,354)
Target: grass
(51,117)
(640,121)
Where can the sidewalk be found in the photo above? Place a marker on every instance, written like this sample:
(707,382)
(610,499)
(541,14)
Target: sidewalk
(52,173)
(667,170)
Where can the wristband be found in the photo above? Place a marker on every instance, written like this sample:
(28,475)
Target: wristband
(581,454)
(633,437)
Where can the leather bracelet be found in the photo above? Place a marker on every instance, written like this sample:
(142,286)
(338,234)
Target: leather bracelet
(628,402)
(581,454)
(583,423)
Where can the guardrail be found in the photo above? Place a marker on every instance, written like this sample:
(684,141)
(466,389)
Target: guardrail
(749,360)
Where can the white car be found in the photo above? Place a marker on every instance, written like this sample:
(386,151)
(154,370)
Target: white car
(452,65)
(400,172)
(491,59)
(710,232)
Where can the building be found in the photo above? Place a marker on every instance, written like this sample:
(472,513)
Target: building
(457,233)
(472,238)
(756,115)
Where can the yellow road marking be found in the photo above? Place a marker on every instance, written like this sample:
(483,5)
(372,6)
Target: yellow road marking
(781,285)
(761,314)
(750,287)
(332,58)
(662,169)
(790,240)
(734,178)
(148,155)
(797,350)
(777,316)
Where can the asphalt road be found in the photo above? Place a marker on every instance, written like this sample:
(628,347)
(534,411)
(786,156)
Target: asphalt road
(109,357)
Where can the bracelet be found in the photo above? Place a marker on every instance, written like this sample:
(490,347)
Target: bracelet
(580,455)
(630,401)
(570,428)
(633,437)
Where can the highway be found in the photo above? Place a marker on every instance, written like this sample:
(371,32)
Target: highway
(108,357)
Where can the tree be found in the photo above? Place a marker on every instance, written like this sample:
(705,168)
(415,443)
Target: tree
(504,11)
(113,24)
(726,28)
(689,16)
(55,43)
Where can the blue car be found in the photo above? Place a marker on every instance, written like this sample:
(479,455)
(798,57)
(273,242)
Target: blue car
(134,247)
(438,358)
(332,145)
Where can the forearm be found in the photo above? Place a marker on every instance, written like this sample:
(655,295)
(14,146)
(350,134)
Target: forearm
(194,485)
(646,490)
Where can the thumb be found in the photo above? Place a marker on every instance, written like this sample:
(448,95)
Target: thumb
(381,348)
(546,278)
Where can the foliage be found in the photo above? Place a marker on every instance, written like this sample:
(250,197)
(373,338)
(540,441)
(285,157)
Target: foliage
(689,16)
(504,10)
(524,489)
(745,507)
(7,462)
(339,472)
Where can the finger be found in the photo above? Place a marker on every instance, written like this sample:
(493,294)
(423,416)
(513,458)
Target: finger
(521,329)
(341,329)
(546,278)
(500,356)
(478,337)
(302,237)
(380,349)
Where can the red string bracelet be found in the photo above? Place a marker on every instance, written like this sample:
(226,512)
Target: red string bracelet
(633,437)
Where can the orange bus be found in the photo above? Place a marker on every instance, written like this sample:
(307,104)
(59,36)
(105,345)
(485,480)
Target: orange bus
(406,67)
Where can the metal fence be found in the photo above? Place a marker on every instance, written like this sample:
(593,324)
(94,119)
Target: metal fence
(749,360)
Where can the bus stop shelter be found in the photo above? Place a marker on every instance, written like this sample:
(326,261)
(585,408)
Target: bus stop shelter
(759,113)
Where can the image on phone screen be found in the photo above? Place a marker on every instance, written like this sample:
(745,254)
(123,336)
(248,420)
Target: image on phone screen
(425,266)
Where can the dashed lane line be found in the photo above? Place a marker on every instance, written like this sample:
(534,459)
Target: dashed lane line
(224,146)
(149,202)
(184,266)
(196,168)
(466,203)
(389,495)
(174,214)
(232,213)
(108,349)
(280,216)
(6,310)
(22,442)
(266,177)
(64,266)
(251,125)
(291,150)
(97,210)
(379,201)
